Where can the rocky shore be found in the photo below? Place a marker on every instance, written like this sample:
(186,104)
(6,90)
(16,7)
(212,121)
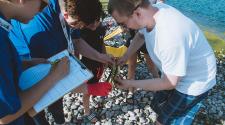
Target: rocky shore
(120,109)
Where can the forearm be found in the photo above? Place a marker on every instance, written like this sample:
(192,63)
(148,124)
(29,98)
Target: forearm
(152,84)
(30,97)
(104,49)
(154,72)
(136,43)
(32,62)
(132,63)
(86,50)
(151,66)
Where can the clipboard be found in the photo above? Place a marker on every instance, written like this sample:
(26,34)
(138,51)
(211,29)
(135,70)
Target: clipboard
(78,75)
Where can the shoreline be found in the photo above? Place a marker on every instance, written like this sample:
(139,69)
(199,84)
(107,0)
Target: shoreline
(217,42)
(212,30)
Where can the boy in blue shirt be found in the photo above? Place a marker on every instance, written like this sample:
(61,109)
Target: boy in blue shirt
(43,32)
(47,35)
(14,102)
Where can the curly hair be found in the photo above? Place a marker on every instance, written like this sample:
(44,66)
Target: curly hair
(87,11)
(70,7)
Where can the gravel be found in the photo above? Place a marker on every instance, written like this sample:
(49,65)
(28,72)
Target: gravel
(120,109)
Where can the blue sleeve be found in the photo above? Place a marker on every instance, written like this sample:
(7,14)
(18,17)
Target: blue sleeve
(75,33)
(9,75)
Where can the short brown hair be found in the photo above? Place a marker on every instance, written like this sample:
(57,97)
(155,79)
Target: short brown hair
(88,11)
(126,7)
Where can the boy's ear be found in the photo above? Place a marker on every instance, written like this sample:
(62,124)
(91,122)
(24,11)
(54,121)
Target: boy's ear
(21,1)
(137,13)
(66,16)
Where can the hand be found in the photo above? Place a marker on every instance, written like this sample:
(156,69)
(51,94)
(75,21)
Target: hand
(122,60)
(106,59)
(61,69)
(122,84)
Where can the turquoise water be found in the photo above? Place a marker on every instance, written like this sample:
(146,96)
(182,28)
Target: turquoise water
(209,14)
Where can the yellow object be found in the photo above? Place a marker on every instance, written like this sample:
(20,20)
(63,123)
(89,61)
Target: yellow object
(116,52)
(114,33)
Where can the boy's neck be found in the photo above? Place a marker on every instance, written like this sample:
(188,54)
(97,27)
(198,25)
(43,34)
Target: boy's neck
(6,10)
(150,21)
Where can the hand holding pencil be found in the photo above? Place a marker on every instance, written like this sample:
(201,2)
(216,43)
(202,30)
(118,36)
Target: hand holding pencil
(60,67)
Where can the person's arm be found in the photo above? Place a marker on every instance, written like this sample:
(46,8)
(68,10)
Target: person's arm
(104,49)
(86,50)
(33,95)
(32,62)
(174,60)
(167,82)
(132,63)
(151,66)
(136,43)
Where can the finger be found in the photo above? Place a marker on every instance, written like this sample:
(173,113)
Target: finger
(65,59)
(110,59)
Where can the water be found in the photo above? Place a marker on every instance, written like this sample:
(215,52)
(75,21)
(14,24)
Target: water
(209,14)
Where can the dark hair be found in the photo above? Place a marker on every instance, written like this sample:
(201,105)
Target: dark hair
(70,7)
(126,7)
(87,11)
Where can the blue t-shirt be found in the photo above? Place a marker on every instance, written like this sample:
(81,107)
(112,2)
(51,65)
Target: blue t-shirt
(44,33)
(20,43)
(10,70)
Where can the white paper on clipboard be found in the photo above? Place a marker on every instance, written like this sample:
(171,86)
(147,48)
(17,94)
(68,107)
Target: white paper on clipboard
(78,75)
